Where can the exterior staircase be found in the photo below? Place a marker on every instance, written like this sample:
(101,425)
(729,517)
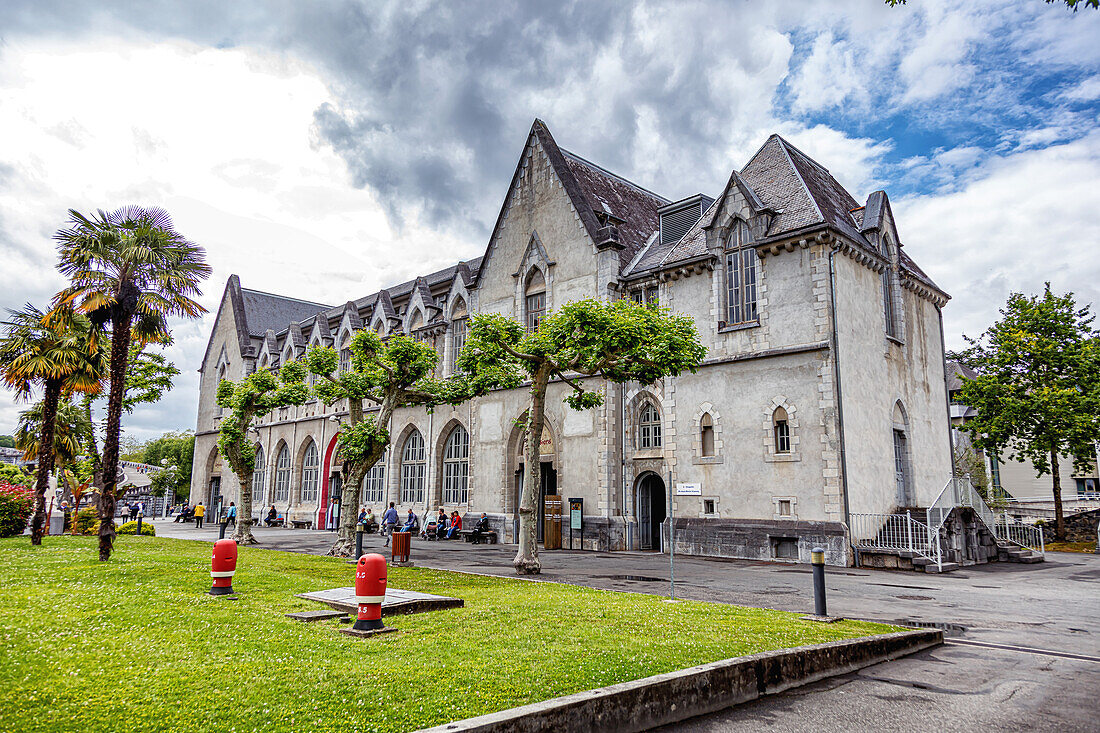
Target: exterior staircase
(957,530)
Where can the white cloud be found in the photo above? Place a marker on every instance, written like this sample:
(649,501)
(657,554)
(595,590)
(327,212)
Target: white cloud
(1021,220)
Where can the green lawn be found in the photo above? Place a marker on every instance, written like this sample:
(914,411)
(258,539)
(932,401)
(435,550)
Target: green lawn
(136,645)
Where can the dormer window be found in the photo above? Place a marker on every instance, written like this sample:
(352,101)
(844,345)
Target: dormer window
(741,276)
(535,300)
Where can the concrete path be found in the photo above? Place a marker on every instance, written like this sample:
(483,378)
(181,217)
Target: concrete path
(999,620)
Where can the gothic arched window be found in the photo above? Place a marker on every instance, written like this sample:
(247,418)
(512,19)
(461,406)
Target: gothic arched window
(413,467)
(456,467)
(649,427)
(310,470)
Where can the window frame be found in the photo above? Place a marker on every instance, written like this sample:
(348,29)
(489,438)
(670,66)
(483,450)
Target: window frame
(781,432)
(456,467)
(282,475)
(649,427)
(458,340)
(742,277)
(413,469)
(259,474)
(311,473)
(374,481)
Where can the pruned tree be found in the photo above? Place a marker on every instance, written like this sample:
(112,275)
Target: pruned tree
(397,372)
(257,394)
(1037,393)
(620,341)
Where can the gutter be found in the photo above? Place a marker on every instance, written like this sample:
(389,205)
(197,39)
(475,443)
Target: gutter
(839,399)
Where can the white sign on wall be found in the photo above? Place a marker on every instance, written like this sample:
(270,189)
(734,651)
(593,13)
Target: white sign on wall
(689,489)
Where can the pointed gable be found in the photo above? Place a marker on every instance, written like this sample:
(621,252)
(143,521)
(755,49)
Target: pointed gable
(614,211)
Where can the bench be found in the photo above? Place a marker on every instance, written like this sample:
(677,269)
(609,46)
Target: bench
(302,523)
(489,535)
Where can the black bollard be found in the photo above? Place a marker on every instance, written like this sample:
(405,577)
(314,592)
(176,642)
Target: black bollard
(817,557)
(138,533)
(358,541)
(221,535)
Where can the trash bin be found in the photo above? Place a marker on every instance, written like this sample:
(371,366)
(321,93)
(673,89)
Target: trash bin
(400,543)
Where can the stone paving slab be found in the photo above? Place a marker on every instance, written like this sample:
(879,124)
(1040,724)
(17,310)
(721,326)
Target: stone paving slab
(309,616)
(397,601)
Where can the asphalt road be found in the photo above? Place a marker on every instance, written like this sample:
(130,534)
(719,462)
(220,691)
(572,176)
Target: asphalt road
(1023,649)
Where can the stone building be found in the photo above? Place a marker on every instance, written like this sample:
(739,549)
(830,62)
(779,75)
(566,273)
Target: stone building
(822,392)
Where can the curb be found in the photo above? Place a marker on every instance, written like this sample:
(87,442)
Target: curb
(676,696)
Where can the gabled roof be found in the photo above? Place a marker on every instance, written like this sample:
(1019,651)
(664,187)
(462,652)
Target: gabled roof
(633,208)
(266,310)
(955,374)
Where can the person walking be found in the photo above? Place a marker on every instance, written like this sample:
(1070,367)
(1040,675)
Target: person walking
(231,515)
(389,521)
(200,510)
(133,512)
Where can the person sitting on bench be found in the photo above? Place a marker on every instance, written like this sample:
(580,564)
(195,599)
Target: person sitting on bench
(456,525)
(182,516)
(412,522)
(480,529)
(441,524)
(272,516)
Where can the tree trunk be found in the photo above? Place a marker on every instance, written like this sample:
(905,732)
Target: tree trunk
(242,533)
(1059,518)
(45,459)
(349,516)
(526,561)
(120,351)
(93,449)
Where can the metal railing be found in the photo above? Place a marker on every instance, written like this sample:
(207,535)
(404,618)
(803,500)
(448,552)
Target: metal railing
(897,532)
(961,492)
(1028,536)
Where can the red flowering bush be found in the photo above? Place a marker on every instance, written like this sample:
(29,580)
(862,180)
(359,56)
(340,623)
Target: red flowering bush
(16,503)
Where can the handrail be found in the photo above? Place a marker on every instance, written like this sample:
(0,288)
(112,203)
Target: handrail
(897,532)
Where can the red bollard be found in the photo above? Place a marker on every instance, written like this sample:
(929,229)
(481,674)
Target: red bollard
(223,566)
(370,591)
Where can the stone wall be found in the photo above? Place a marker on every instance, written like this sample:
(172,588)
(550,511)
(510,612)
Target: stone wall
(760,539)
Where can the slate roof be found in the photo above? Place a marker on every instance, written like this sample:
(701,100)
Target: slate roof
(634,207)
(266,310)
(955,372)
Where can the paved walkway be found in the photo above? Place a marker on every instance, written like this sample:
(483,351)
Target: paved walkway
(989,673)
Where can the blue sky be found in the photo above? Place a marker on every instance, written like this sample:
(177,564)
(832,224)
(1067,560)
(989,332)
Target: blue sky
(310,148)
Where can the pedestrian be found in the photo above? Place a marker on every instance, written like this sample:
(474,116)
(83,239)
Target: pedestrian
(200,510)
(133,512)
(231,515)
(389,521)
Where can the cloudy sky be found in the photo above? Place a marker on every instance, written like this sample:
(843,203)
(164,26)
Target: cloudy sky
(311,147)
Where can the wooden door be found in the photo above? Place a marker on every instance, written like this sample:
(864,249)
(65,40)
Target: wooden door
(552,529)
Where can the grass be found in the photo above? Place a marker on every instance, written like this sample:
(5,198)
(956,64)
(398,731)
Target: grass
(136,645)
(1071,546)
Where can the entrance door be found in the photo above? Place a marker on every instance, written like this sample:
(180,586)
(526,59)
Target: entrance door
(901,469)
(649,510)
(548,485)
(214,505)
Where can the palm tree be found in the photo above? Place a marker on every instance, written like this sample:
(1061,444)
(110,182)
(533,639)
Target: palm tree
(58,353)
(70,434)
(132,268)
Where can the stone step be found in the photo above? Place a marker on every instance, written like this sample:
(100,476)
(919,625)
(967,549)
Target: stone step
(946,568)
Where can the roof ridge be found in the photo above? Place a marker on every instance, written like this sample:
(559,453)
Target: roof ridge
(284,297)
(790,146)
(798,175)
(601,169)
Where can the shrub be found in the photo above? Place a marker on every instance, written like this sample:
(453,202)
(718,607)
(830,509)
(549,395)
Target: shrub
(147,529)
(15,476)
(87,521)
(16,503)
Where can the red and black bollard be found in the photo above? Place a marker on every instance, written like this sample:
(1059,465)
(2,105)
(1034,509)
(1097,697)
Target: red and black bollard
(223,566)
(370,591)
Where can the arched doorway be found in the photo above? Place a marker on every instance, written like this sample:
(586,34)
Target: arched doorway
(548,477)
(649,510)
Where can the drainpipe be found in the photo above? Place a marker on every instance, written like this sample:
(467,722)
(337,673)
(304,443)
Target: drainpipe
(839,399)
(430,456)
(946,397)
(622,465)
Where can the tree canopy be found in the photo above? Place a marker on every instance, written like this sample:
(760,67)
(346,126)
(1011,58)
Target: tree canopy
(257,394)
(397,372)
(1037,393)
(620,341)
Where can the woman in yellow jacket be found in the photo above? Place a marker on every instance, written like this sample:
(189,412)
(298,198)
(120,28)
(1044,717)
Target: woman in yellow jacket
(199,511)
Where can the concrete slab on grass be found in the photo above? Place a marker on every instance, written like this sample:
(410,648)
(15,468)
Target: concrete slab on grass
(676,696)
(397,601)
(309,616)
